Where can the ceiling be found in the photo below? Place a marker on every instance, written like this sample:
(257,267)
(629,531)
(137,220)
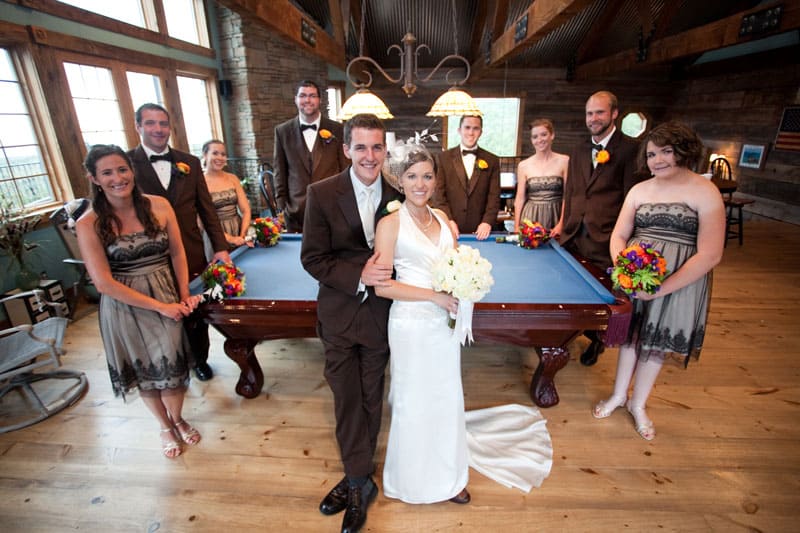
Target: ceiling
(581,36)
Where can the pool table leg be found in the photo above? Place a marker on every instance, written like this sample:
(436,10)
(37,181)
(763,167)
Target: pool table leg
(543,388)
(251,380)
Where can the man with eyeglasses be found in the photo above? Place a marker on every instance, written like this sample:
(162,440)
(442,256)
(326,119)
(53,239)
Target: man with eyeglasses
(308,148)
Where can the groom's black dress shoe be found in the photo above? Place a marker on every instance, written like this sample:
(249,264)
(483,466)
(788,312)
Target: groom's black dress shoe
(336,500)
(357,502)
(589,357)
(203,371)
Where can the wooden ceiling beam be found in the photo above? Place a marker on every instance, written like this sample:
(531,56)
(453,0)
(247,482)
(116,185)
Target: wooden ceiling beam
(665,18)
(497,24)
(337,17)
(713,36)
(543,17)
(286,19)
(598,30)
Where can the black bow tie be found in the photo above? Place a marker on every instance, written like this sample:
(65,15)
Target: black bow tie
(304,127)
(469,152)
(163,157)
(597,147)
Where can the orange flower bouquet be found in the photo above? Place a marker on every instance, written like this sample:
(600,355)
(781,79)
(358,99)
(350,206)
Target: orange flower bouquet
(221,281)
(532,234)
(267,231)
(639,267)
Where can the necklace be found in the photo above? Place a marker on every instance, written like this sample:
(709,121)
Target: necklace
(420,224)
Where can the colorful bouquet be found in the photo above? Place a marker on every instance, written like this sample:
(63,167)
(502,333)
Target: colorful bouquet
(532,234)
(222,280)
(267,231)
(639,267)
(466,275)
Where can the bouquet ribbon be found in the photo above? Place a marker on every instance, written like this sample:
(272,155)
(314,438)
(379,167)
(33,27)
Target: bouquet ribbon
(463,327)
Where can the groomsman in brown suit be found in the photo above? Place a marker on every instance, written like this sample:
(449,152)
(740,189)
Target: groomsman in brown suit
(178,177)
(308,148)
(340,219)
(468,184)
(602,170)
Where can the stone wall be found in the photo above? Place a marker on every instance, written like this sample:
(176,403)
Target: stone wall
(264,68)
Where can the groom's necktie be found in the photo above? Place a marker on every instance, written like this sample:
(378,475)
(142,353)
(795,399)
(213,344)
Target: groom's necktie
(368,215)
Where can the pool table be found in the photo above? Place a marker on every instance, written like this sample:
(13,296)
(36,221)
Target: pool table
(541,298)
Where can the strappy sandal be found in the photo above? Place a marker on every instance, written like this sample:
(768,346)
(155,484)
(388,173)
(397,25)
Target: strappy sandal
(604,408)
(644,426)
(191,436)
(171,449)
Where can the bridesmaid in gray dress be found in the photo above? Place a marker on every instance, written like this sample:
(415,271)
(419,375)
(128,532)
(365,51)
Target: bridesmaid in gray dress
(681,213)
(230,200)
(131,245)
(541,179)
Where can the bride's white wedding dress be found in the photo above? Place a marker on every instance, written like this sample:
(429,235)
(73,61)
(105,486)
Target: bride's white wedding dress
(426,456)
(432,443)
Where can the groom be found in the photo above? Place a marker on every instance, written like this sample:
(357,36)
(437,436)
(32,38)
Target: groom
(338,235)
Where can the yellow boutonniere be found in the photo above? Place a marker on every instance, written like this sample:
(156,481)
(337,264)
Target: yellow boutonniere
(602,157)
(483,165)
(325,134)
(183,168)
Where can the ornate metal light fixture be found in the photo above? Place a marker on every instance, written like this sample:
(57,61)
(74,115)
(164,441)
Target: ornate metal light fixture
(452,102)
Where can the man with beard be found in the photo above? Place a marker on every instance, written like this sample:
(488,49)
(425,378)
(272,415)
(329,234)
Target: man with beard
(602,170)
(308,148)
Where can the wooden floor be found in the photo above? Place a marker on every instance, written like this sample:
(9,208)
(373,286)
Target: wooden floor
(726,458)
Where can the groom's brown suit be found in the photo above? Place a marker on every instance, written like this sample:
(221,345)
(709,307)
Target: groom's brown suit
(353,330)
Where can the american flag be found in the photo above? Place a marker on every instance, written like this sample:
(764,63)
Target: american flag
(789,132)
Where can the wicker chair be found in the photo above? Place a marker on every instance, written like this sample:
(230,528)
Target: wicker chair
(29,347)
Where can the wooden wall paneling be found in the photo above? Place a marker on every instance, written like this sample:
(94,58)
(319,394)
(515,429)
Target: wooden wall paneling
(713,36)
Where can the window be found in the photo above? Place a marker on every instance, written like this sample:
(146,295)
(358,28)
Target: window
(24,179)
(96,104)
(500,126)
(634,124)
(182,20)
(145,88)
(334,102)
(196,112)
(129,11)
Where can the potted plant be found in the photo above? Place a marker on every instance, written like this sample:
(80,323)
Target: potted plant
(12,243)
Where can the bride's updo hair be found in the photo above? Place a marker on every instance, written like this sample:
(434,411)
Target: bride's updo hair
(402,157)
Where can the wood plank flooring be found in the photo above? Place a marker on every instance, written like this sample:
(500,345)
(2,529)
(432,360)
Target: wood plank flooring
(726,458)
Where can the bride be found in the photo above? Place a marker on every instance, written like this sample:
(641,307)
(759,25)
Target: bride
(432,441)
(426,456)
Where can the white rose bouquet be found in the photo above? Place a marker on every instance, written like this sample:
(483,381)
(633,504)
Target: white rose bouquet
(466,275)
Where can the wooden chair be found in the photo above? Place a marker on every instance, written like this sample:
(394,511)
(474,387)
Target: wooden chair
(734,220)
(29,347)
(63,220)
(266,182)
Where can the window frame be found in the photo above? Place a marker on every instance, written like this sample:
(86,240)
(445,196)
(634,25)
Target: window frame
(32,91)
(153,11)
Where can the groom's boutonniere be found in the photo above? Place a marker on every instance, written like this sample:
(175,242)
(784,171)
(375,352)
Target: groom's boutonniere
(326,135)
(483,165)
(182,168)
(602,157)
(391,207)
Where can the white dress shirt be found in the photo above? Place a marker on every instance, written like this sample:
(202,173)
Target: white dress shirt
(310,135)
(163,168)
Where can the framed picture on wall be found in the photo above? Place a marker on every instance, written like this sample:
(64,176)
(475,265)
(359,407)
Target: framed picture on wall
(752,156)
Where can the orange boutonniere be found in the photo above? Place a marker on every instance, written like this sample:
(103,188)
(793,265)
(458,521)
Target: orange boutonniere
(326,135)
(183,168)
(483,165)
(602,157)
